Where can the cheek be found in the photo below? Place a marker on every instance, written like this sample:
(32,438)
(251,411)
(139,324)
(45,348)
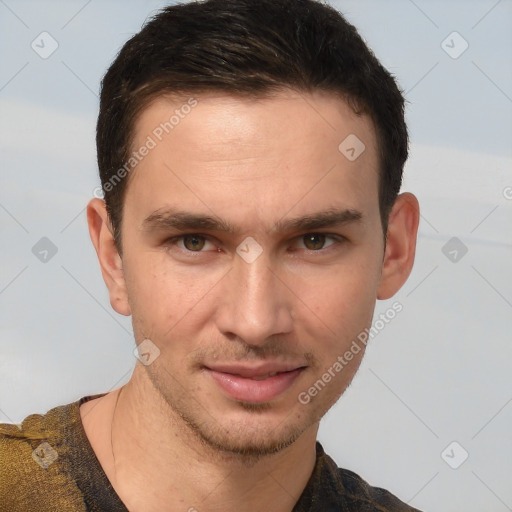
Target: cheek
(344,292)
(341,306)
(161,296)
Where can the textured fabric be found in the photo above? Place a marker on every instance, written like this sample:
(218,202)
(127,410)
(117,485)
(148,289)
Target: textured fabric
(48,465)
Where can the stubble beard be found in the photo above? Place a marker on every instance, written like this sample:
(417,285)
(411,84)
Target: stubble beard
(246,446)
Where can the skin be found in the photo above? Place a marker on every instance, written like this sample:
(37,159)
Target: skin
(300,303)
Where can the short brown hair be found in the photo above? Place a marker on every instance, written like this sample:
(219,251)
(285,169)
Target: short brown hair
(249,48)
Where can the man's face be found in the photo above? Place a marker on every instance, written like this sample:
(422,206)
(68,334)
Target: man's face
(285,289)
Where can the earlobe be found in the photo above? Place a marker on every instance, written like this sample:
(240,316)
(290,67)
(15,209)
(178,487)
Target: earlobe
(111,264)
(400,245)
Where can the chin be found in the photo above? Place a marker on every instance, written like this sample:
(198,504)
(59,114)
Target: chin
(249,433)
(245,431)
(248,442)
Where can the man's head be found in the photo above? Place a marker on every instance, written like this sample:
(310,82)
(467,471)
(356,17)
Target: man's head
(250,49)
(270,146)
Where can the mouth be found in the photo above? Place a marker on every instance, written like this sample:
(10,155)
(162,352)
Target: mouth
(263,377)
(254,384)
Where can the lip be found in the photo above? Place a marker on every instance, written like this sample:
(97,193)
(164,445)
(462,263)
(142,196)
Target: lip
(255,384)
(251,371)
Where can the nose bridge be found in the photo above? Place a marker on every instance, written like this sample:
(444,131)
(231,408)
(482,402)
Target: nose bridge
(254,304)
(257,280)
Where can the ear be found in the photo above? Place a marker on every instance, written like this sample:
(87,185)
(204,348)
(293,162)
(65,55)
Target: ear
(100,230)
(400,245)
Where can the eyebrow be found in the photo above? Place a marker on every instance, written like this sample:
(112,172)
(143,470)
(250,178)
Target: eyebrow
(189,221)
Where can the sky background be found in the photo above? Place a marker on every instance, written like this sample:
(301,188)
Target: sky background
(438,374)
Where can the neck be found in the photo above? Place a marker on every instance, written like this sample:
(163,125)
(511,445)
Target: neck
(159,463)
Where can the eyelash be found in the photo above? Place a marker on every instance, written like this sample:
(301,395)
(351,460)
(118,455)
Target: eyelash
(338,240)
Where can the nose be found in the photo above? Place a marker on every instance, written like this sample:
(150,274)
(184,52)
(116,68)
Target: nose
(254,304)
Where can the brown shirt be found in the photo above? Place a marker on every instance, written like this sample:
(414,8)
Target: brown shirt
(48,465)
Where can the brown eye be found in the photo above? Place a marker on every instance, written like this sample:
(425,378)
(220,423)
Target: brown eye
(193,242)
(314,241)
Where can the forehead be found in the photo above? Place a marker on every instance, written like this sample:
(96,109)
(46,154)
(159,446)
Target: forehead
(258,157)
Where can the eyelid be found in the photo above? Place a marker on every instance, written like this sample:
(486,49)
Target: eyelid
(337,240)
(173,240)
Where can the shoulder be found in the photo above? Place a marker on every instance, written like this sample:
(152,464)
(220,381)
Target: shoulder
(33,472)
(333,489)
(359,492)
